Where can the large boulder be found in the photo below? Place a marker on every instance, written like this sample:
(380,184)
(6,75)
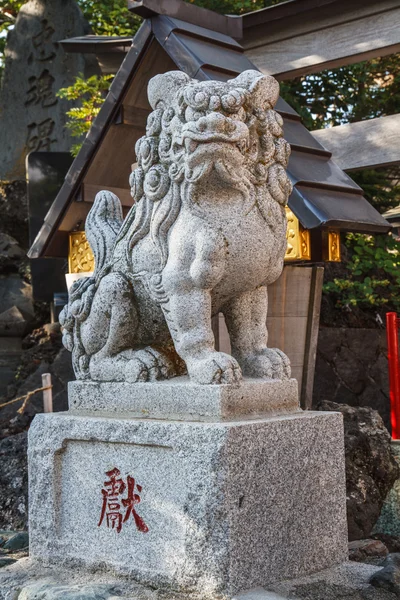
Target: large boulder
(13,482)
(371,468)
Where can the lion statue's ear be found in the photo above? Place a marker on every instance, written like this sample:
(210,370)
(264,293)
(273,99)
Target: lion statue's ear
(162,88)
(264,89)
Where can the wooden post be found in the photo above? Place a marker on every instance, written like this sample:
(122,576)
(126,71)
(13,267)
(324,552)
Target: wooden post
(310,350)
(47,394)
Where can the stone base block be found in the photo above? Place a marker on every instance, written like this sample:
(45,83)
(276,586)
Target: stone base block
(210,507)
(181,399)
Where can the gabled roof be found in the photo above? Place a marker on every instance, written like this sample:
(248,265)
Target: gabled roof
(323,194)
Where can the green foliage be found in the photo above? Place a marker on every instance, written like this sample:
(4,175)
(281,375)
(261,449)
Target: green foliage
(373,274)
(8,14)
(356,92)
(91,93)
(365,90)
(110,17)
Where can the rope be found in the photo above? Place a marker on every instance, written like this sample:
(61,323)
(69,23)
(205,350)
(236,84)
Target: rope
(26,398)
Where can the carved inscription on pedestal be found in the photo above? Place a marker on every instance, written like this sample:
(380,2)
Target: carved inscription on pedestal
(119,501)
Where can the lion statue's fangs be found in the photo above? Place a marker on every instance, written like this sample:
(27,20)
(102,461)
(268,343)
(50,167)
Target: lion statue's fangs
(207,234)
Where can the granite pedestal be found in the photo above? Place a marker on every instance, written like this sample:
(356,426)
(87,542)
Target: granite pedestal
(211,504)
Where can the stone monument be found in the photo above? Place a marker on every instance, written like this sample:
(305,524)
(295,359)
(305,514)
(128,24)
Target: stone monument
(178,466)
(32,117)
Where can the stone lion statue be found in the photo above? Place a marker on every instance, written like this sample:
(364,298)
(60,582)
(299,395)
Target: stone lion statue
(207,234)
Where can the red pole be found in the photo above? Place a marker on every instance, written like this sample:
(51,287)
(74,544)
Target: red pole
(394,371)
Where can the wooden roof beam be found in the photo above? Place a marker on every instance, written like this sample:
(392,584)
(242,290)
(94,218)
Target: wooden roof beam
(178,9)
(363,145)
(289,40)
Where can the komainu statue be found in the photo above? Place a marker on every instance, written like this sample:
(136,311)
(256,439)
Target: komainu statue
(207,234)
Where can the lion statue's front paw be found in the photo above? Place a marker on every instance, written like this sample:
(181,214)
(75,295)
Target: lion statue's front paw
(216,368)
(270,363)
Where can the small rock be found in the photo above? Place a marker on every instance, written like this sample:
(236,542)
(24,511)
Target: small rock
(5,561)
(392,542)
(388,578)
(66,592)
(365,550)
(17,541)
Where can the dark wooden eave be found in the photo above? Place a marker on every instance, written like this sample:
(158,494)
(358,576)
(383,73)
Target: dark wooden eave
(110,51)
(92,44)
(323,196)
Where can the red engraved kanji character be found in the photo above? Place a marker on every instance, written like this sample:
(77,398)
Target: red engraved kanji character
(113,488)
(130,502)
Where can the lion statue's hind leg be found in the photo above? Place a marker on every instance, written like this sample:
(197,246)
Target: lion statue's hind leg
(112,339)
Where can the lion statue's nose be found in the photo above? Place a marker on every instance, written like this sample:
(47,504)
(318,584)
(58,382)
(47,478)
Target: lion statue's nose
(215,123)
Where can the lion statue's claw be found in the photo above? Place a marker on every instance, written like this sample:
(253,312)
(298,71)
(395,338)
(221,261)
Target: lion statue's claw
(217,368)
